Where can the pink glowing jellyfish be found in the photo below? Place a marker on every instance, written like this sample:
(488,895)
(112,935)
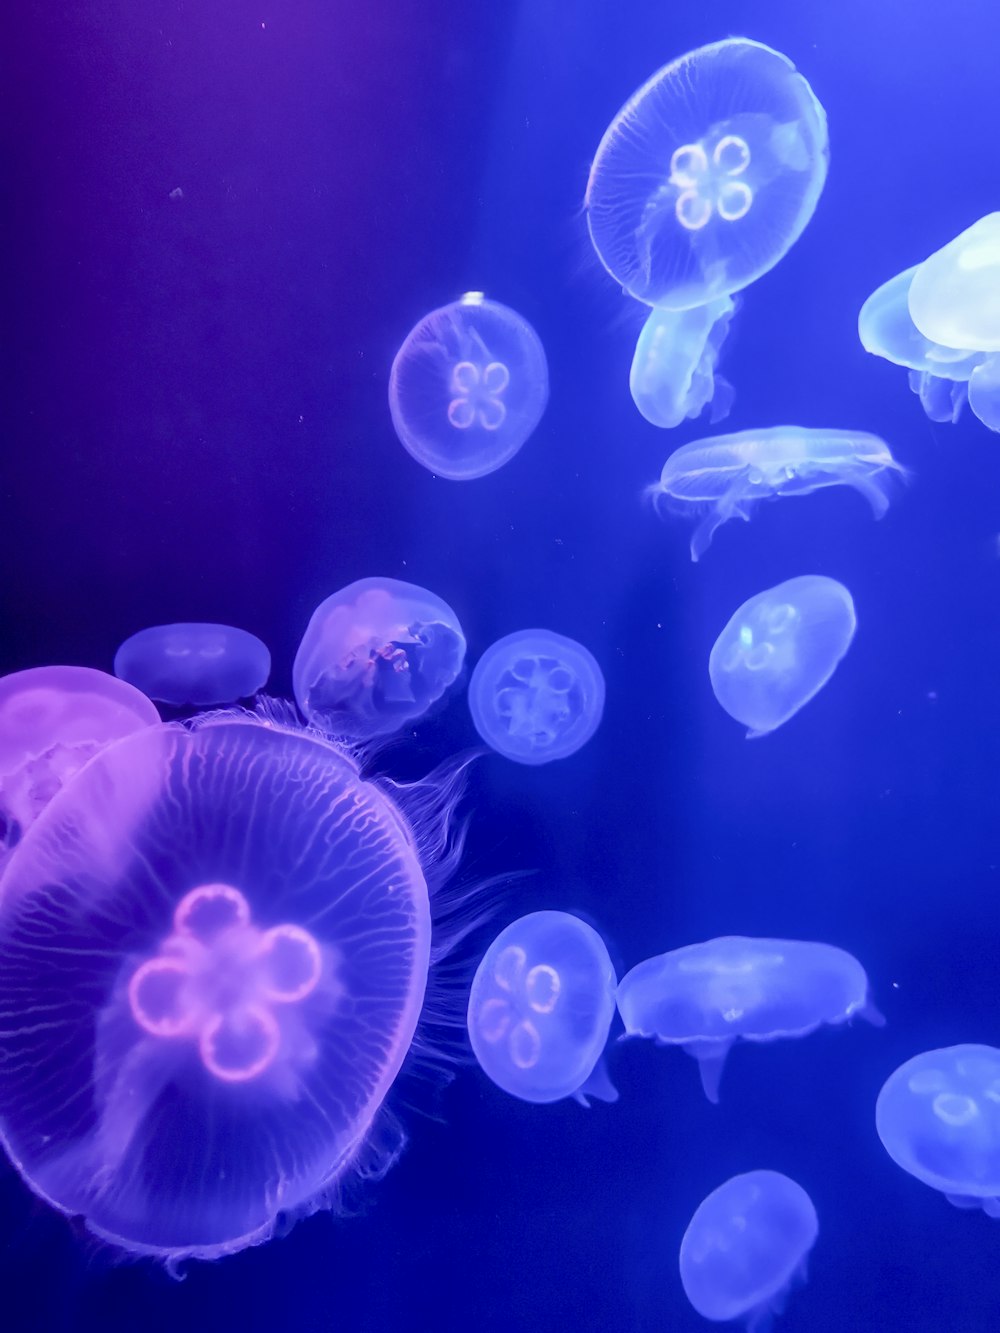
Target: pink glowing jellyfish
(214,948)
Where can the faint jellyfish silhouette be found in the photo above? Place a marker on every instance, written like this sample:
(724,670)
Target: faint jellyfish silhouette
(673,370)
(198,663)
(536,696)
(984,392)
(704,997)
(938,1116)
(779,649)
(227,932)
(375,657)
(954,297)
(52,720)
(467,387)
(540,1009)
(707,175)
(723,477)
(938,375)
(746,1247)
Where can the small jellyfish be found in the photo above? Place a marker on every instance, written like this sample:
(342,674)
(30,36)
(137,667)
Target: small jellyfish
(707,175)
(536,696)
(540,1009)
(954,297)
(214,948)
(723,477)
(52,720)
(938,1117)
(705,997)
(375,657)
(198,663)
(779,650)
(938,375)
(746,1247)
(467,387)
(673,370)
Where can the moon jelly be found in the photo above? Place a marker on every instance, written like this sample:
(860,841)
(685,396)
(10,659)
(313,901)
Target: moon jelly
(375,656)
(52,720)
(214,946)
(779,650)
(725,476)
(467,387)
(540,1008)
(536,696)
(705,997)
(707,175)
(954,297)
(938,1117)
(746,1246)
(197,663)
(673,370)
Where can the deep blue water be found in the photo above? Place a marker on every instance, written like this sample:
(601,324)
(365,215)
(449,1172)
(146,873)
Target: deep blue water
(197,428)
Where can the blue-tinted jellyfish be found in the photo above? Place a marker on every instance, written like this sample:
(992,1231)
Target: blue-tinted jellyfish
(746,1247)
(938,1117)
(938,375)
(375,657)
(723,477)
(673,371)
(705,997)
(214,947)
(540,1009)
(467,387)
(779,650)
(536,696)
(984,392)
(52,720)
(198,663)
(954,297)
(707,175)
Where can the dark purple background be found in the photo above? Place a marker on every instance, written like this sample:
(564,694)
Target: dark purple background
(196,428)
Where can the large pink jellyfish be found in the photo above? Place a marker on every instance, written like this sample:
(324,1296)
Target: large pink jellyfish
(214,947)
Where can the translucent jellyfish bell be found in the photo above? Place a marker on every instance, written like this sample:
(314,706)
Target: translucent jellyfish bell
(954,297)
(226,931)
(938,1117)
(707,175)
(52,720)
(673,370)
(725,476)
(536,696)
(376,656)
(779,649)
(705,997)
(198,663)
(540,1009)
(468,387)
(747,1246)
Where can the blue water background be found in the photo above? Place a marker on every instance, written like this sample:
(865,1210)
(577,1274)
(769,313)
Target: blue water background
(198,429)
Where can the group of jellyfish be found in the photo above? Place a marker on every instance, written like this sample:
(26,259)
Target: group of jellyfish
(216,930)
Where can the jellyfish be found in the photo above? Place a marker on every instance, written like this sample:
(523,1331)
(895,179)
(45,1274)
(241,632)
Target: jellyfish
(779,650)
(375,657)
(196,663)
(938,375)
(984,392)
(468,387)
(705,997)
(540,1009)
(954,297)
(536,696)
(747,1246)
(938,1116)
(52,720)
(723,477)
(214,948)
(673,371)
(707,175)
